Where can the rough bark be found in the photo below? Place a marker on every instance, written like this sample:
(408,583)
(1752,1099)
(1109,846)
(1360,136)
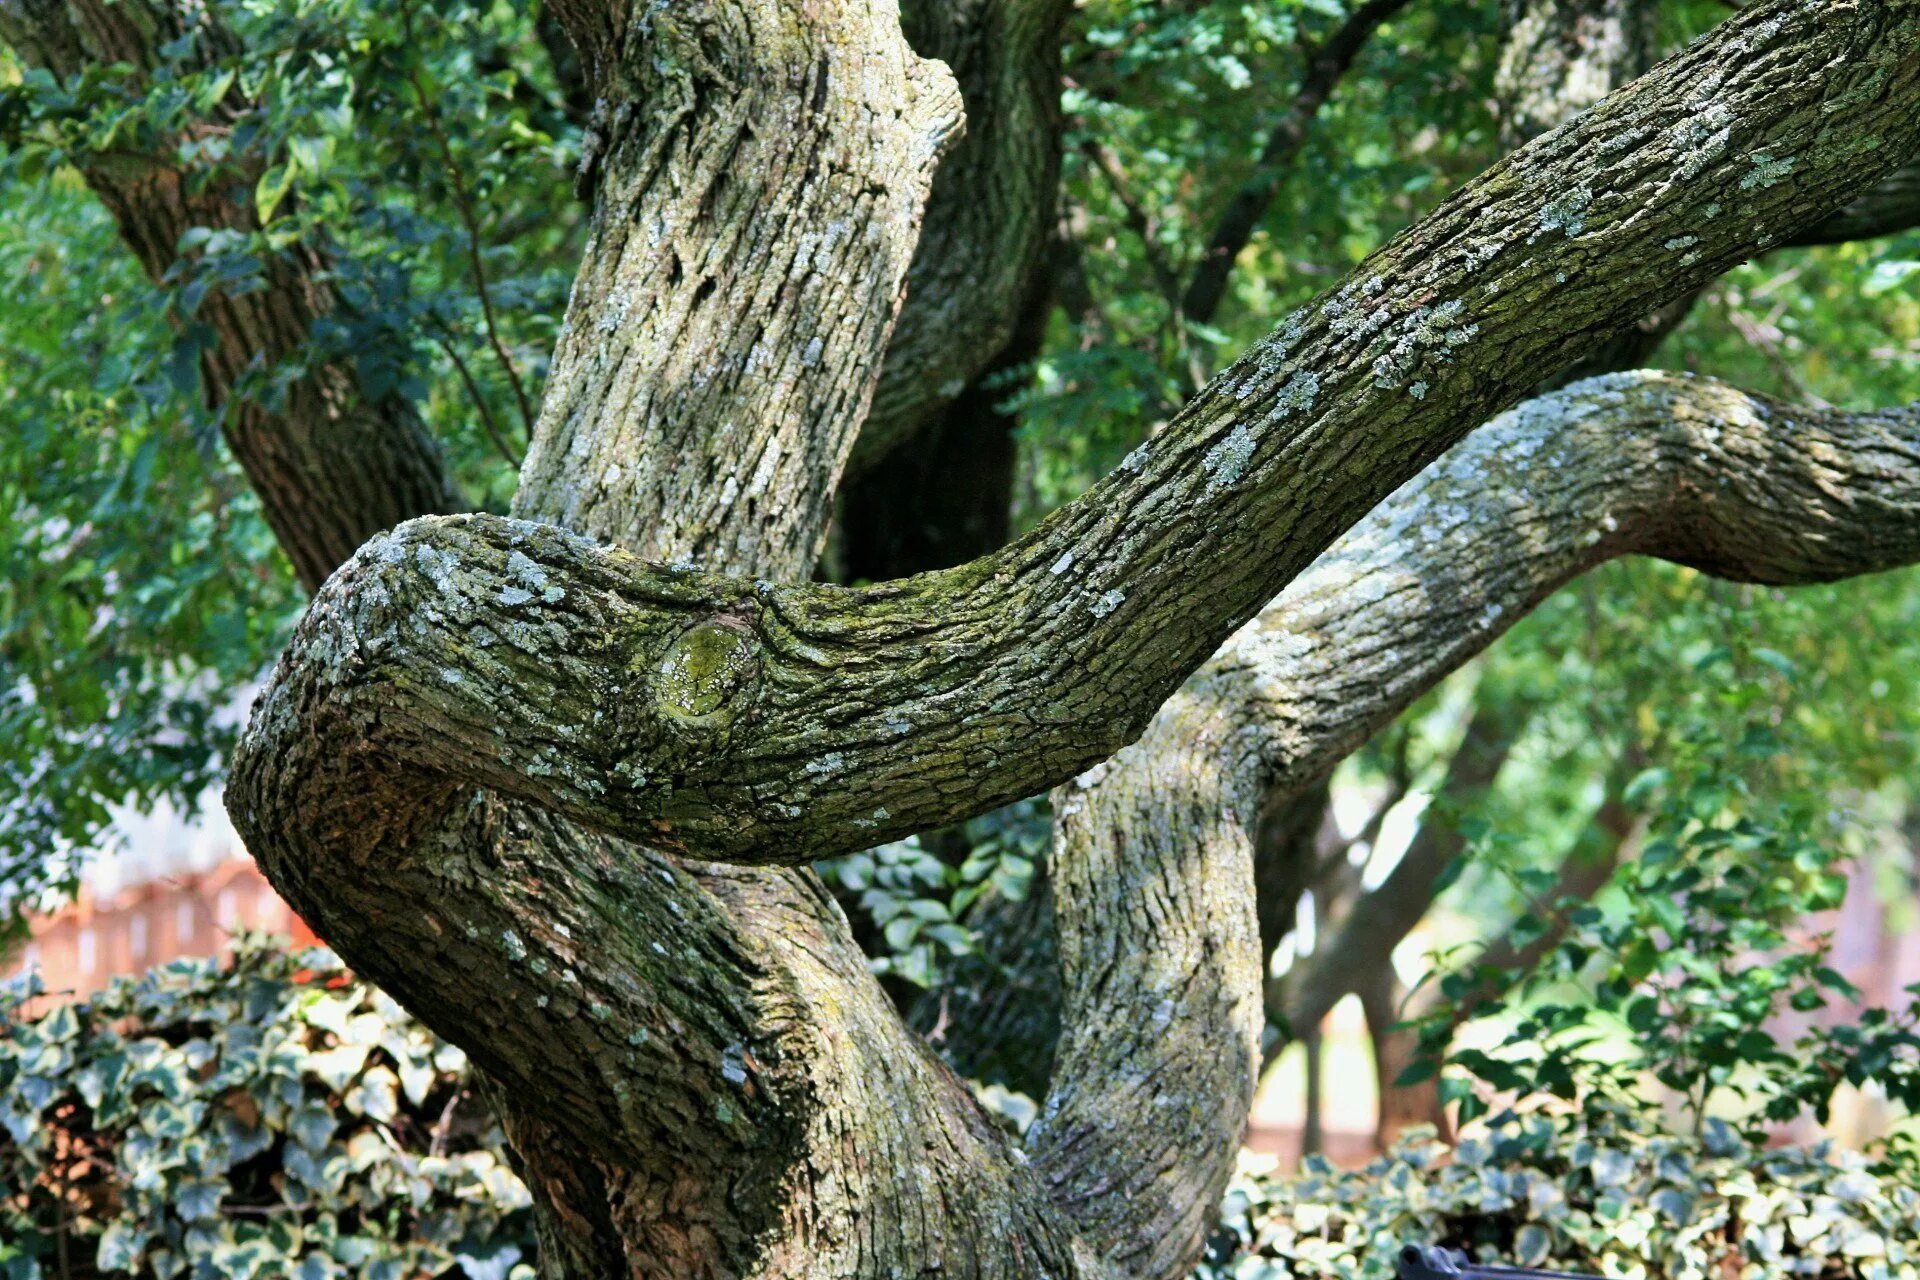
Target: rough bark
(1154,845)
(948,496)
(1562,56)
(332,466)
(1891,207)
(703,1078)
(747,134)
(698,1073)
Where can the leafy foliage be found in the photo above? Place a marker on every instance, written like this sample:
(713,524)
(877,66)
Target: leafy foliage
(920,901)
(268,1116)
(1681,976)
(1536,1190)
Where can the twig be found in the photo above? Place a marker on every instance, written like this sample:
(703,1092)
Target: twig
(1146,228)
(463,205)
(443,1127)
(1326,65)
(444,339)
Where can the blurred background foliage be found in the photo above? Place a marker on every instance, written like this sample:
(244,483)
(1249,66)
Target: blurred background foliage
(426,150)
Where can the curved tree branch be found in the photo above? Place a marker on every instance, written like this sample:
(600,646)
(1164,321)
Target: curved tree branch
(1152,876)
(757,722)
(465,691)
(699,1074)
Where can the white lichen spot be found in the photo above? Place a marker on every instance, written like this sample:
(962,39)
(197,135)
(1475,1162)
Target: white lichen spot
(1682,242)
(525,571)
(516,950)
(1060,566)
(1766,171)
(450,675)
(1227,461)
(1107,603)
(1418,391)
(832,762)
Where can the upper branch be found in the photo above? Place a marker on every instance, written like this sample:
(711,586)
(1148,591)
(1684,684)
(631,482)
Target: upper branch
(980,259)
(758,722)
(760,170)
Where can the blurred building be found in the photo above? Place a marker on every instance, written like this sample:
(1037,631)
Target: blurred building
(176,886)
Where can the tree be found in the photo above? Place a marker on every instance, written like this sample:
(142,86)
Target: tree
(553,778)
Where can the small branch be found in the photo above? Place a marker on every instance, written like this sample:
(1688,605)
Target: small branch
(444,339)
(463,205)
(1326,66)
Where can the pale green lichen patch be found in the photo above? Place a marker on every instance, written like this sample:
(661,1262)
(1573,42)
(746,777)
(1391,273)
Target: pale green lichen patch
(1767,170)
(703,672)
(1566,213)
(1227,461)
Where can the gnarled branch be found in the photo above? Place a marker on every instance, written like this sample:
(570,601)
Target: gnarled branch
(778,723)
(1152,875)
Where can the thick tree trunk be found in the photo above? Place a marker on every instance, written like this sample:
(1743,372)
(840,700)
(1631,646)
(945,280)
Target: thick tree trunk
(486,730)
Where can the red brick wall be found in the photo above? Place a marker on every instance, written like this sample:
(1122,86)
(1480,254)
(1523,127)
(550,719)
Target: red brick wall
(79,949)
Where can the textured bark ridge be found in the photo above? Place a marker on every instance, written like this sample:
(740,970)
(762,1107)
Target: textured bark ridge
(489,758)
(331,466)
(698,1073)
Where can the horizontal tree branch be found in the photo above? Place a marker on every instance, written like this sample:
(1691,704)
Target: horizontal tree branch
(759,722)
